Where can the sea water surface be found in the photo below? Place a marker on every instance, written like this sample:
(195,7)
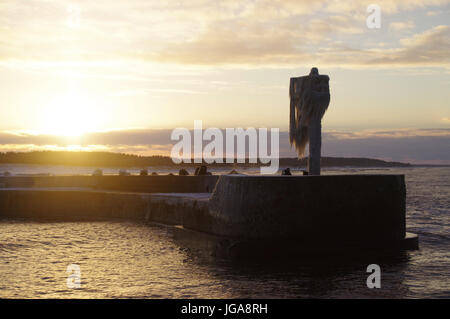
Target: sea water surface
(133,260)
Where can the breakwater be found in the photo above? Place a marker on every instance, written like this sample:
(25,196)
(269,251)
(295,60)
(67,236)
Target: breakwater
(278,214)
(143,184)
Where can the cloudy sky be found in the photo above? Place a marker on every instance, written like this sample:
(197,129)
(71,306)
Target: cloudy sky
(120,75)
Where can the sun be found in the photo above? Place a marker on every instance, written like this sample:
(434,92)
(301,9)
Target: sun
(70,115)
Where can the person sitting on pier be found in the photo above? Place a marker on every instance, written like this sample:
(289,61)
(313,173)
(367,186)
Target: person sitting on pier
(201,171)
(286,172)
(143,172)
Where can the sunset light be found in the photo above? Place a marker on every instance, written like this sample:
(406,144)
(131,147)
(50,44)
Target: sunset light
(248,151)
(70,115)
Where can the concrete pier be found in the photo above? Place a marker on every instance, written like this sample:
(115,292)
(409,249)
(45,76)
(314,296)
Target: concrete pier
(346,206)
(142,184)
(84,204)
(244,215)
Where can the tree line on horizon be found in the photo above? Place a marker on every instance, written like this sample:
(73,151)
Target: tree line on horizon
(110,159)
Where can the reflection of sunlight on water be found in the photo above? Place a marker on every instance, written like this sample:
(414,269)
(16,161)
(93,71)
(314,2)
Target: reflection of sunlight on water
(122,259)
(133,260)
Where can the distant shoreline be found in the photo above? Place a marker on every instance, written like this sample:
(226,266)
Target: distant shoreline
(106,159)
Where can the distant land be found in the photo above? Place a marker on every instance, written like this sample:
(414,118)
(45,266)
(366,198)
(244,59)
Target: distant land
(108,159)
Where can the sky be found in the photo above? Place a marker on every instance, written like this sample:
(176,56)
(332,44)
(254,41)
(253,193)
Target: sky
(120,75)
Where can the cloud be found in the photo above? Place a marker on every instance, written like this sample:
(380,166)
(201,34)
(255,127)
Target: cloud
(408,145)
(209,32)
(433,13)
(415,149)
(429,48)
(222,46)
(387,6)
(402,26)
(391,134)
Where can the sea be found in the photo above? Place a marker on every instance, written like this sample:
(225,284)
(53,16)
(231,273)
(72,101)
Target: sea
(117,259)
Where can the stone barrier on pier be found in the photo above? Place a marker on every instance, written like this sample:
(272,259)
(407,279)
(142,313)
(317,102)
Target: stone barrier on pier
(142,184)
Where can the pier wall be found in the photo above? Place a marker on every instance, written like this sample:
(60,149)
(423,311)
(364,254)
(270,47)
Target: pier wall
(142,184)
(71,205)
(348,207)
(46,204)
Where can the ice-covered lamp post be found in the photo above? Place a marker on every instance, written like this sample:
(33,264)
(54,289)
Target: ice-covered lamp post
(310,97)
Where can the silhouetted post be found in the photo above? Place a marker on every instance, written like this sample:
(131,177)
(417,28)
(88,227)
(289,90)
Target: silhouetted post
(310,97)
